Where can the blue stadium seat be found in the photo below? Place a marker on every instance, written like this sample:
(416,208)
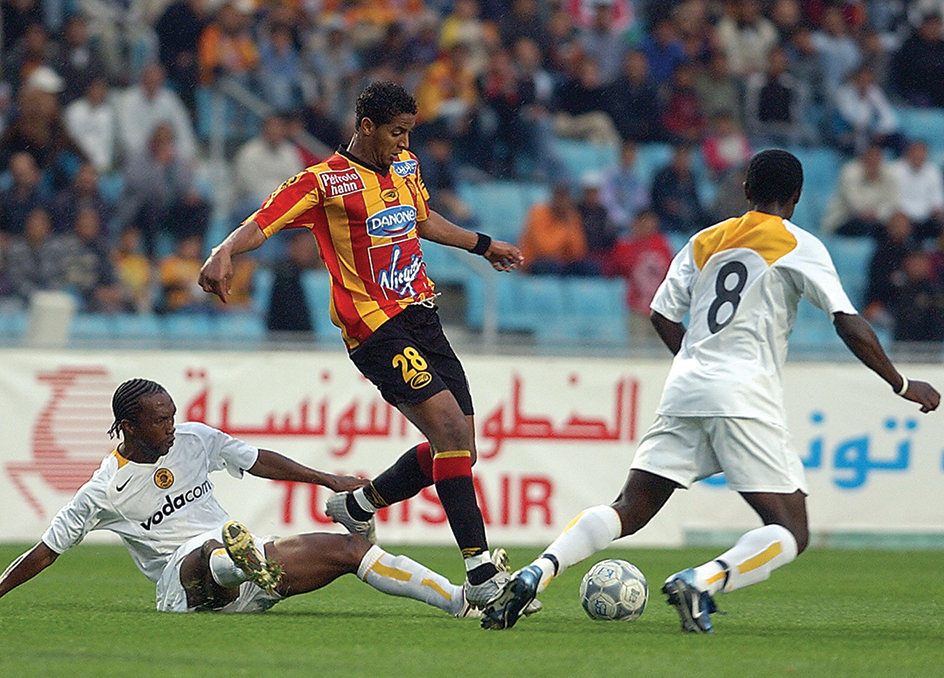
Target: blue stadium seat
(262,281)
(12,324)
(92,326)
(498,206)
(239,327)
(924,123)
(317,287)
(852,256)
(187,327)
(524,301)
(821,168)
(581,157)
(595,298)
(137,326)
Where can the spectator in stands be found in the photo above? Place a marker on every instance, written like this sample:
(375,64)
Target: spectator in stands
(82,193)
(161,194)
(694,30)
(504,95)
(32,262)
(33,51)
(78,60)
(725,147)
(86,267)
(178,32)
(917,66)
(447,92)
(863,114)
(919,310)
(675,195)
(602,40)
(464,25)
(92,122)
(633,101)
(439,175)
(804,64)
(553,241)
(599,232)
(287,314)
(177,276)
(26,193)
(523,20)
(262,163)
(838,51)
(280,69)
(336,66)
(683,119)
(920,190)
(877,54)
(643,259)
(582,105)
(16,18)
(537,87)
(142,108)
(745,36)
(134,270)
(39,130)
(623,193)
(663,51)
(717,89)
(227,47)
(865,197)
(787,17)
(775,104)
(886,277)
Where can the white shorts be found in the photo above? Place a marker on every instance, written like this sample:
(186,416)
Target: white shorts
(172,597)
(754,455)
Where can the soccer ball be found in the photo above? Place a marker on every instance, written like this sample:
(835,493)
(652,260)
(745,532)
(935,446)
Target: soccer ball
(615,590)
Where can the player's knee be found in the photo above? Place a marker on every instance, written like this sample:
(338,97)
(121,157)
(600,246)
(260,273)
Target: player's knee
(453,433)
(802,535)
(352,551)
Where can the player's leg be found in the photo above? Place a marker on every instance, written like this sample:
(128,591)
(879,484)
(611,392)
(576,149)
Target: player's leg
(310,561)
(202,588)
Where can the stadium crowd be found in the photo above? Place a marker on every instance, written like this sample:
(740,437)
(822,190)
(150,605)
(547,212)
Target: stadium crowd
(101,191)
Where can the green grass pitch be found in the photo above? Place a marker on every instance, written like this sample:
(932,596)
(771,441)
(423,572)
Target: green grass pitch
(831,613)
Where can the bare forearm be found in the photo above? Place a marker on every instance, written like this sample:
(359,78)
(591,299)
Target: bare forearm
(245,238)
(26,567)
(275,466)
(856,333)
(440,230)
(671,333)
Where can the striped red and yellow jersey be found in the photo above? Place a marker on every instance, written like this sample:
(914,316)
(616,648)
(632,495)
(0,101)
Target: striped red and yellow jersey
(364,221)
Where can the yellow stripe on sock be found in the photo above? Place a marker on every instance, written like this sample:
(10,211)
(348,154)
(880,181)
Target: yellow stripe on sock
(390,572)
(761,558)
(572,522)
(436,587)
(717,577)
(450,454)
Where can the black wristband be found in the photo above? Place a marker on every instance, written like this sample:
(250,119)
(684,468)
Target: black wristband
(481,247)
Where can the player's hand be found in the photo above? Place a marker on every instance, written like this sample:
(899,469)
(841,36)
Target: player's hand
(216,276)
(924,394)
(344,483)
(504,256)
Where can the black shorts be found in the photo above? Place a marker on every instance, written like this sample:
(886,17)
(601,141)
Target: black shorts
(410,360)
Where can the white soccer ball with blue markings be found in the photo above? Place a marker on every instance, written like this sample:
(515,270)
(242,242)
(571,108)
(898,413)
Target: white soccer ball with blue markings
(614,590)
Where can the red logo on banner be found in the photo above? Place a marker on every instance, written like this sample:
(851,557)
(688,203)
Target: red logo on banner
(70,435)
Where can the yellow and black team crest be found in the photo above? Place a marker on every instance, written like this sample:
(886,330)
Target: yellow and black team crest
(163,478)
(390,195)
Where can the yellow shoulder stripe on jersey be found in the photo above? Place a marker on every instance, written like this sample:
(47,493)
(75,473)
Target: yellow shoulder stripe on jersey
(121,460)
(763,233)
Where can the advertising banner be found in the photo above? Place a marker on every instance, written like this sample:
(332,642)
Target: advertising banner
(554,436)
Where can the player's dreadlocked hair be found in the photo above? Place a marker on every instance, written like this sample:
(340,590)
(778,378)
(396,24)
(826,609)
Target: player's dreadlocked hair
(126,402)
(773,177)
(382,101)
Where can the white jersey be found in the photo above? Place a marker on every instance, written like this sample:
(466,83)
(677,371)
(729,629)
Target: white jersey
(154,508)
(740,282)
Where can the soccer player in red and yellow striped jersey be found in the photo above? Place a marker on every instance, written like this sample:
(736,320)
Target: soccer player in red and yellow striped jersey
(367,207)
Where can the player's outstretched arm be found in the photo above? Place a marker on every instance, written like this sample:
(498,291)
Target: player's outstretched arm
(861,340)
(275,466)
(669,331)
(216,276)
(26,567)
(503,256)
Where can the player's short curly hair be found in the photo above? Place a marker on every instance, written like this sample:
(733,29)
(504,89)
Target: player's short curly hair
(773,176)
(382,101)
(126,401)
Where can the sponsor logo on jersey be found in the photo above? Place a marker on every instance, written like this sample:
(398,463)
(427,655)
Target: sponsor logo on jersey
(175,503)
(341,182)
(392,221)
(163,478)
(397,266)
(403,168)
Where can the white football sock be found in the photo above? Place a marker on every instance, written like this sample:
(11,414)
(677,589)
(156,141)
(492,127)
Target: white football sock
(751,560)
(363,501)
(591,531)
(224,570)
(402,576)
